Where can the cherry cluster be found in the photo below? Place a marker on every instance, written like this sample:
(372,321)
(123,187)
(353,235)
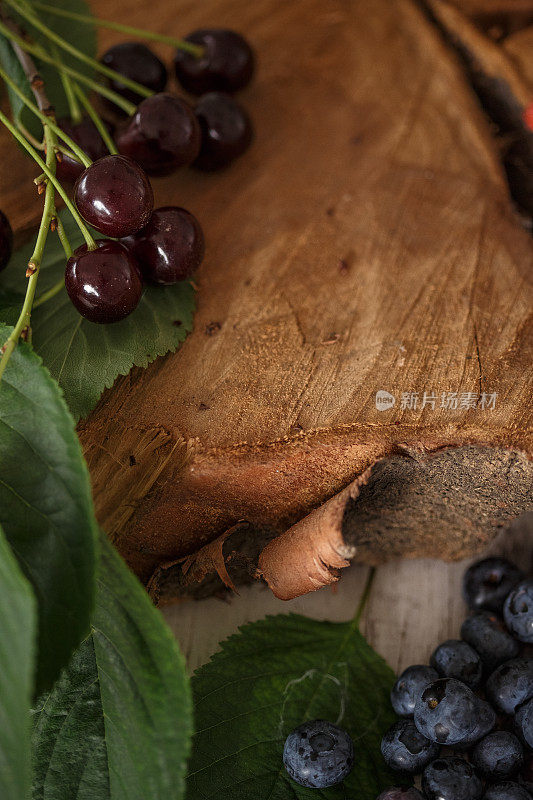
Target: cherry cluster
(159,246)
(166,132)
(114,194)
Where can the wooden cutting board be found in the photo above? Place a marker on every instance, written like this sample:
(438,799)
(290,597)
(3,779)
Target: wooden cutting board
(365,244)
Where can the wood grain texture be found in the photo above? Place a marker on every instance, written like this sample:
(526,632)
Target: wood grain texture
(519,47)
(366,242)
(499,18)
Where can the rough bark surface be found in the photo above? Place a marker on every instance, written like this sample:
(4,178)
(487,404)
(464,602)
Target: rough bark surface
(366,242)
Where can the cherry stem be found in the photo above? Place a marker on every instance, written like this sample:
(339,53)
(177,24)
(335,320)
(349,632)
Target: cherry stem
(57,287)
(68,88)
(81,56)
(181,44)
(45,296)
(41,53)
(47,118)
(96,119)
(364,597)
(31,139)
(51,178)
(34,264)
(63,238)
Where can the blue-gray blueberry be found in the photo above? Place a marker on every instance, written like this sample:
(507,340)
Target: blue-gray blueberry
(489,637)
(318,754)
(518,611)
(487,583)
(498,756)
(409,687)
(451,779)
(405,749)
(456,659)
(510,685)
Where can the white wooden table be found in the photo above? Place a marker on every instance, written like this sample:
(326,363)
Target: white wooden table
(413,605)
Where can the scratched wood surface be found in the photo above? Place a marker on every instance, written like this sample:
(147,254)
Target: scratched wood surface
(413,605)
(366,242)
(375,242)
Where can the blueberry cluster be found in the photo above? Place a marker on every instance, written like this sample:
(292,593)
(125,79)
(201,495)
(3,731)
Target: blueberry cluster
(114,194)
(475,699)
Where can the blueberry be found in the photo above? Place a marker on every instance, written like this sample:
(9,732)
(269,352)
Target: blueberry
(486,719)
(409,687)
(448,712)
(507,790)
(524,722)
(451,779)
(526,776)
(510,685)
(318,754)
(518,612)
(486,633)
(487,583)
(456,659)
(399,793)
(499,755)
(405,749)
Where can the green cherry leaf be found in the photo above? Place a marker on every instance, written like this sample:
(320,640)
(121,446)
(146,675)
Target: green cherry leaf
(86,358)
(271,677)
(17,651)
(117,724)
(45,505)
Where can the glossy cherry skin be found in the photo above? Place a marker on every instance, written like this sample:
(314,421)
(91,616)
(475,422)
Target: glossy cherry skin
(226,130)
(170,248)
(227,64)
(114,195)
(162,135)
(6,241)
(105,284)
(139,64)
(86,135)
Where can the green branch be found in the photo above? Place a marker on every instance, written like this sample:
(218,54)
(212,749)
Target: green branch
(51,178)
(48,120)
(40,52)
(68,87)
(364,597)
(34,265)
(97,120)
(180,44)
(57,287)
(69,48)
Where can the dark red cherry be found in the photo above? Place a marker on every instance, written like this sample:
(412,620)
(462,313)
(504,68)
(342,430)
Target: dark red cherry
(86,135)
(170,248)
(139,64)
(6,241)
(162,135)
(105,284)
(226,130)
(227,64)
(114,195)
